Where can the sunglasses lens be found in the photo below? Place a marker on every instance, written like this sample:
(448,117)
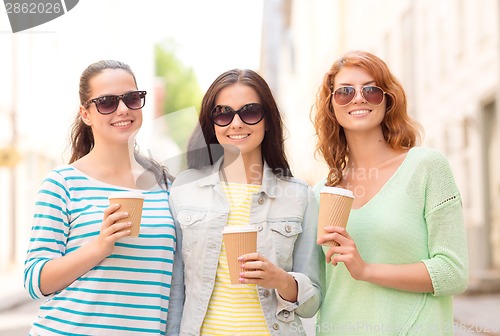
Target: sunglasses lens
(344,95)
(134,100)
(107,104)
(222,115)
(251,114)
(373,94)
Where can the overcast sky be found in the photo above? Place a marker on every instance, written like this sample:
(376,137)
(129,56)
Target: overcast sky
(212,36)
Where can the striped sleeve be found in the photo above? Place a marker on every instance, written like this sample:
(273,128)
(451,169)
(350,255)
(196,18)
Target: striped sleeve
(49,232)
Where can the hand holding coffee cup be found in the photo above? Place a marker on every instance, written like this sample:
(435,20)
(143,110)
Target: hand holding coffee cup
(238,240)
(334,209)
(132,203)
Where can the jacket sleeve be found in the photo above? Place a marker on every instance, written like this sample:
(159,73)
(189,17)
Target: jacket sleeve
(307,257)
(448,256)
(177,294)
(50,230)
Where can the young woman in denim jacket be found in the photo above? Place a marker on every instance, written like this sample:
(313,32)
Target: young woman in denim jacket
(239,113)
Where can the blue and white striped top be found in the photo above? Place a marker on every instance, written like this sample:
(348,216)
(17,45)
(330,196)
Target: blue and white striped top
(128,292)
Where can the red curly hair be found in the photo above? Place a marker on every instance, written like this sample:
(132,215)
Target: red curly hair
(399,129)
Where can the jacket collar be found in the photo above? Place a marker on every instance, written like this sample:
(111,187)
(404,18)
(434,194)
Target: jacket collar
(269,179)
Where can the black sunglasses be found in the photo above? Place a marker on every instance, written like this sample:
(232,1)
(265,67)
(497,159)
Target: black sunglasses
(345,94)
(134,100)
(250,114)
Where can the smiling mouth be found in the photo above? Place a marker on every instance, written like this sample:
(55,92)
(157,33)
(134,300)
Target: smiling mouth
(122,123)
(359,112)
(238,137)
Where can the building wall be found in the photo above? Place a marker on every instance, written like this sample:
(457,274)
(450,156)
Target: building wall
(39,84)
(446,54)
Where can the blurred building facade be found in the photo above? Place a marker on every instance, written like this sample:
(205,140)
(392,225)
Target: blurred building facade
(446,53)
(40,72)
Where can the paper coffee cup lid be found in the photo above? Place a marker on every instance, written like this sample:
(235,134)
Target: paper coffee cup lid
(337,191)
(239,228)
(125,194)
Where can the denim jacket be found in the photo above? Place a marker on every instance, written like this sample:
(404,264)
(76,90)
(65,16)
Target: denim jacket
(285,214)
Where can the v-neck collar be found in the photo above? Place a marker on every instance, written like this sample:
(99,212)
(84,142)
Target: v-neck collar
(387,183)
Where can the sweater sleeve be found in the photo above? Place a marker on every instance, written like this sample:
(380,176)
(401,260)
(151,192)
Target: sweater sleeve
(448,256)
(49,232)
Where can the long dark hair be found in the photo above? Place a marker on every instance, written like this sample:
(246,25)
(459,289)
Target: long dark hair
(82,139)
(273,149)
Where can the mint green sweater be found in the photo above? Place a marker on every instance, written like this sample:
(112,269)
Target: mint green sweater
(416,216)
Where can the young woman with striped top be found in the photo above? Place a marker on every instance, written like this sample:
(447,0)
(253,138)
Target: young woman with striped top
(94,278)
(251,184)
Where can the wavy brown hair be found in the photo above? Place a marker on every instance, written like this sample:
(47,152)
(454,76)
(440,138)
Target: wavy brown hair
(399,129)
(273,149)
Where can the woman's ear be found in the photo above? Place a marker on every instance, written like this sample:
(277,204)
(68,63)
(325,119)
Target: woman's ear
(84,114)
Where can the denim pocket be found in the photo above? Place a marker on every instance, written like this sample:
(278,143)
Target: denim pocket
(201,228)
(191,218)
(285,232)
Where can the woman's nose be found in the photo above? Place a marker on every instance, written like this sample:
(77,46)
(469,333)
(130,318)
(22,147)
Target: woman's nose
(122,108)
(358,95)
(237,122)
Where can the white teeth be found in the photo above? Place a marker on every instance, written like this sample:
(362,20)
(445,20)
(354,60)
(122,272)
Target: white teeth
(238,137)
(359,112)
(122,123)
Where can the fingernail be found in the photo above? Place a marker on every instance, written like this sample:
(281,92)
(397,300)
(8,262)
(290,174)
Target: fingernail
(125,213)
(240,258)
(241,274)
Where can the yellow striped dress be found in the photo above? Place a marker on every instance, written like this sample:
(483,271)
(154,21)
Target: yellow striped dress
(234,309)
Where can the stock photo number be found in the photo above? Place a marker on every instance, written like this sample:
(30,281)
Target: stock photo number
(33,8)
(26,14)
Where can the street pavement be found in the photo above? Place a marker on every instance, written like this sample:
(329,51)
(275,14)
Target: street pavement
(474,314)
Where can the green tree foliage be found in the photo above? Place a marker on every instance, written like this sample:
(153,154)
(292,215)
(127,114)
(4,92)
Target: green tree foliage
(182,92)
